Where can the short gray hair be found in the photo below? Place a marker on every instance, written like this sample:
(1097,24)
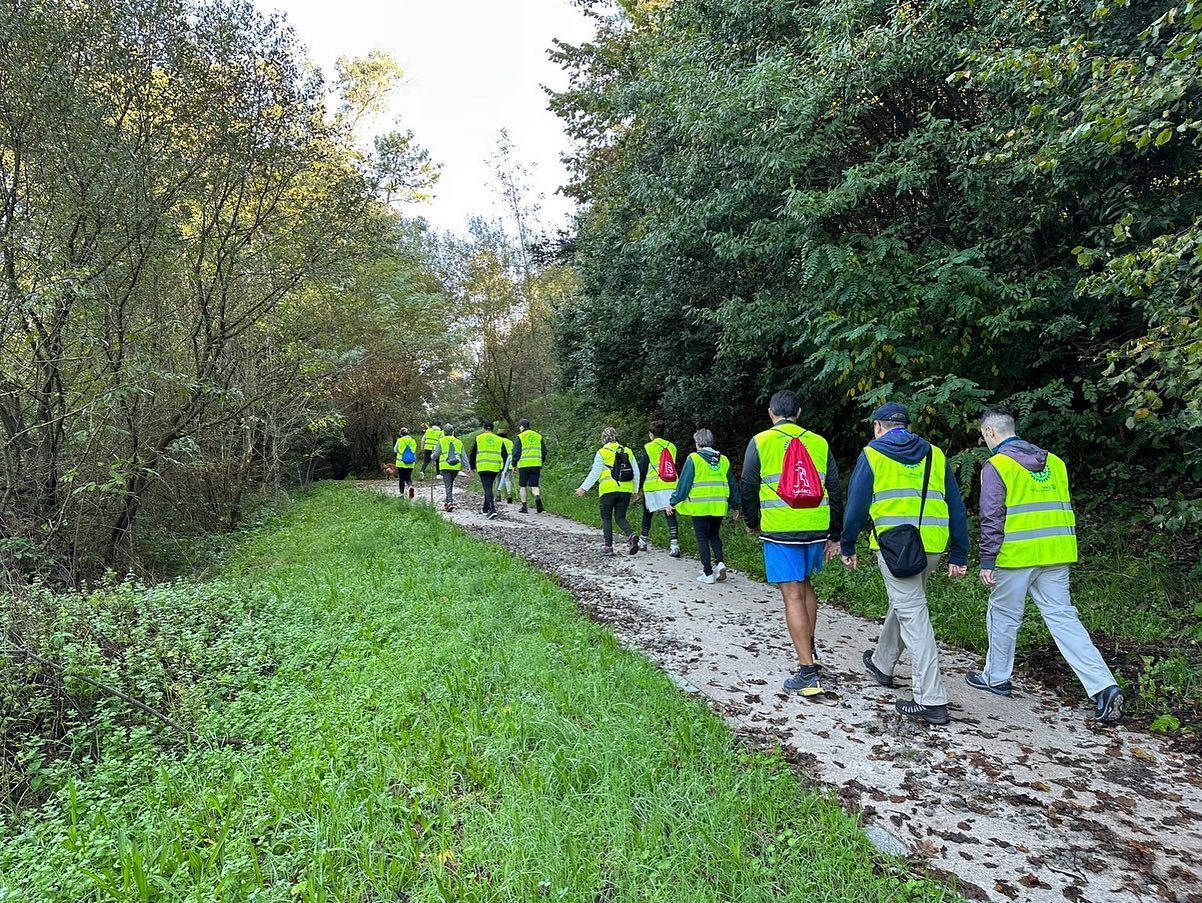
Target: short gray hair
(608,435)
(449,429)
(704,438)
(1000,419)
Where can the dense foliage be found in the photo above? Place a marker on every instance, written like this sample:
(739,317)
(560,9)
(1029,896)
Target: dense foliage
(182,219)
(948,203)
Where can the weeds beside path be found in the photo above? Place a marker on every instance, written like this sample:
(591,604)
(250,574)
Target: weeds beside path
(429,719)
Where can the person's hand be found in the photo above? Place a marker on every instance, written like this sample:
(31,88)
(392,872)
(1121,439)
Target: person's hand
(634,499)
(850,561)
(956,571)
(734,515)
(582,492)
(670,510)
(831,551)
(987,577)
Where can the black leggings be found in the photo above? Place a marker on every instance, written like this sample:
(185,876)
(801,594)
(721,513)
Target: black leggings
(708,530)
(673,524)
(487,479)
(427,457)
(404,477)
(614,504)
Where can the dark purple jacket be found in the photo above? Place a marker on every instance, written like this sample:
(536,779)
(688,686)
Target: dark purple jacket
(993,495)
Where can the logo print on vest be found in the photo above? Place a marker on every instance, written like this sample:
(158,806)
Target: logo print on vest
(1043,476)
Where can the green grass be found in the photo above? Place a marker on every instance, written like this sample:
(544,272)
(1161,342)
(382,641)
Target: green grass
(425,718)
(1134,595)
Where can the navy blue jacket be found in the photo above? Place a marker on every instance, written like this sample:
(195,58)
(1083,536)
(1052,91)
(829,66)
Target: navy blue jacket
(906,448)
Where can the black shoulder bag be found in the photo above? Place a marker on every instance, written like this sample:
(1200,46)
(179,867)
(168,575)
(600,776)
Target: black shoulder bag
(901,547)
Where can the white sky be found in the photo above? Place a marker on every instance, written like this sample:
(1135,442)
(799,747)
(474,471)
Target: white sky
(472,68)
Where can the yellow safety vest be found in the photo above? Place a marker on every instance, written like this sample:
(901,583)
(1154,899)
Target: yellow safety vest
(1041,527)
(402,443)
(607,483)
(444,447)
(710,493)
(776,517)
(532,449)
(430,439)
(651,480)
(489,452)
(897,498)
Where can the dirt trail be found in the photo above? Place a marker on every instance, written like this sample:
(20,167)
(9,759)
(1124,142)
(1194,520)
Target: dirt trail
(1019,798)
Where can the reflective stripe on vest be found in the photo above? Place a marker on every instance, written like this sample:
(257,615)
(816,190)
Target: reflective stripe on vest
(652,482)
(776,517)
(1041,527)
(607,483)
(489,453)
(532,449)
(897,497)
(402,443)
(444,448)
(709,496)
(430,439)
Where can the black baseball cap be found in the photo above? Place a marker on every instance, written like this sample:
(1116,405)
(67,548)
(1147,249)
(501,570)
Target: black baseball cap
(892,412)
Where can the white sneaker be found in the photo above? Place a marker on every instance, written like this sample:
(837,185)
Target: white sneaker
(674,549)
(706,578)
(720,571)
(643,545)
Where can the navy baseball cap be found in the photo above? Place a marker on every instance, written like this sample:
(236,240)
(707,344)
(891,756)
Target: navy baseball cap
(892,412)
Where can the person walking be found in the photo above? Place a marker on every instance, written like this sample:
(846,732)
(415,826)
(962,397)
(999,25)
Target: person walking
(505,480)
(902,480)
(488,459)
(406,459)
(429,445)
(615,472)
(796,540)
(531,451)
(658,486)
(448,462)
(707,492)
(1028,541)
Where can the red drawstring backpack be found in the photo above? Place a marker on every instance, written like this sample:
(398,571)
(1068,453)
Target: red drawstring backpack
(666,466)
(799,486)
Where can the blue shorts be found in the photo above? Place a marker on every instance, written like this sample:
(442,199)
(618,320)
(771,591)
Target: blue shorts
(785,564)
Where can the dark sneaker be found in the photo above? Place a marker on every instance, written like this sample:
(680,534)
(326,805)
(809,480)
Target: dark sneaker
(607,551)
(977,679)
(885,680)
(632,543)
(916,711)
(538,504)
(447,506)
(492,515)
(523,509)
(1109,705)
(806,682)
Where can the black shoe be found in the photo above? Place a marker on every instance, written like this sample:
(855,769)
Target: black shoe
(538,504)
(977,679)
(916,711)
(878,675)
(1109,705)
(523,509)
(632,543)
(607,551)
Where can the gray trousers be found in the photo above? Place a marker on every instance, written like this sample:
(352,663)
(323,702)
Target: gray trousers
(448,482)
(908,626)
(1048,586)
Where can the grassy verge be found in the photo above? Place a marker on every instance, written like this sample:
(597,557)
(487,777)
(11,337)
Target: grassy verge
(1135,596)
(418,716)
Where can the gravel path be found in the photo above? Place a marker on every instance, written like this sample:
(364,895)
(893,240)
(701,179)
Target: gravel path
(1020,799)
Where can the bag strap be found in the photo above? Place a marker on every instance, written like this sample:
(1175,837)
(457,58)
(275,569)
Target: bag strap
(926,482)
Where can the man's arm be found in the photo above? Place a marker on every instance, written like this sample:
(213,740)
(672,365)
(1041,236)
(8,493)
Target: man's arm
(644,464)
(859,497)
(471,459)
(751,486)
(834,495)
(993,515)
(517,450)
(957,520)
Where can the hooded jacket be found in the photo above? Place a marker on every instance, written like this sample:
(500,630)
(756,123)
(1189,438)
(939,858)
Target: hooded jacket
(993,494)
(684,484)
(906,448)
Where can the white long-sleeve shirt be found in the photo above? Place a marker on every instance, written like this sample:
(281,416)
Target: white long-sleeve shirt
(599,468)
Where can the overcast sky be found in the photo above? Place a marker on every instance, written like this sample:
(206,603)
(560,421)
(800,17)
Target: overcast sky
(473,67)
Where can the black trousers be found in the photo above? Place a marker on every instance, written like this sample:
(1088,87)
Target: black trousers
(615,505)
(673,524)
(404,477)
(488,480)
(708,530)
(427,457)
